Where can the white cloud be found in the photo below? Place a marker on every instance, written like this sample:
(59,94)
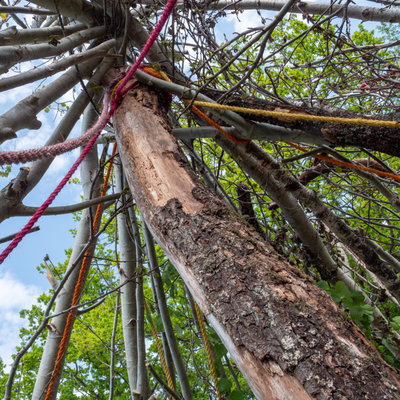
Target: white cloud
(249,19)
(14,297)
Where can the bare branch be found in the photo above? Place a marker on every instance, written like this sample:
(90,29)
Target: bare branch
(13,36)
(11,55)
(26,211)
(351,11)
(11,237)
(52,69)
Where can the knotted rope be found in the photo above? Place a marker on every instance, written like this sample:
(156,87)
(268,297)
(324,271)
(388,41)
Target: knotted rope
(159,347)
(208,349)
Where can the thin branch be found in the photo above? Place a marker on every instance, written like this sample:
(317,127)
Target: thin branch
(26,211)
(12,236)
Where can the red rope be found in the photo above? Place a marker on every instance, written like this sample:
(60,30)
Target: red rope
(23,156)
(114,105)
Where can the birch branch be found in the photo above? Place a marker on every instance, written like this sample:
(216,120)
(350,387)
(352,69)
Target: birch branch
(351,11)
(26,211)
(11,55)
(25,10)
(13,36)
(12,236)
(52,69)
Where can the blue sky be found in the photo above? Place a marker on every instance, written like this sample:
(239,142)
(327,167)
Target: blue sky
(20,282)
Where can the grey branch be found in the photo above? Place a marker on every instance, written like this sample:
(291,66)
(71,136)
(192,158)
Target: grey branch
(25,10)
(26,211)
(52,69)
(358,12)
(161,382)
(11,237)
(80,10)
(11,55)
(14,36)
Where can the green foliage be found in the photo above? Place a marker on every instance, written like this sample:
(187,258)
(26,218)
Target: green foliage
(6,171)
(360,313)
(224,385)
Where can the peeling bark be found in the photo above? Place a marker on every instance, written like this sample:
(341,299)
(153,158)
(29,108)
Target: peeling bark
(287,336)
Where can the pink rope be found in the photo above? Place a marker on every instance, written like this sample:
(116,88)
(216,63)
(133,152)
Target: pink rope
(23,156)
(114,105)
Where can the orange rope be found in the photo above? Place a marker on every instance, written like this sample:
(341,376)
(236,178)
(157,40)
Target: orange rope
(161,75)
(68,325)
(348,165)
(216,126)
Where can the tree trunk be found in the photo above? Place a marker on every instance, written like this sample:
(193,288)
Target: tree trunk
(288,337)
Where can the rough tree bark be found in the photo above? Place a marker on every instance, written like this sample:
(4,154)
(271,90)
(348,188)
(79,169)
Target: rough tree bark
(287,336)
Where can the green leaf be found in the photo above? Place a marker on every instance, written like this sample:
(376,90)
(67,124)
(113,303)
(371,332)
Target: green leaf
(322,285)
(224,385)
(341,288)
(357,297)
(396,323)
(367,309)
(356,312)
(336,297)
(197,341)
(46,110)
(158,323)
(218,368)
(389,359)
(178,330)
(236,395)
(220,350)
(213,337)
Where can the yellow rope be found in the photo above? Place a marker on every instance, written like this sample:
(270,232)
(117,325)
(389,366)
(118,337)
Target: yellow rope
(303,117)
(208,349)
(115,88)
(159,347)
